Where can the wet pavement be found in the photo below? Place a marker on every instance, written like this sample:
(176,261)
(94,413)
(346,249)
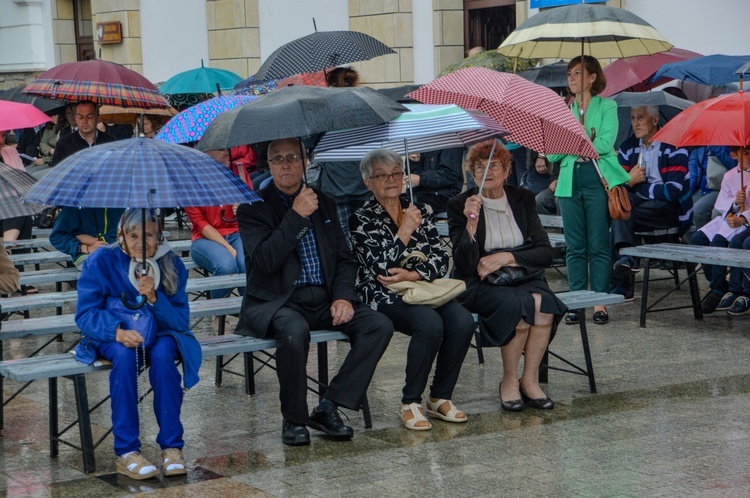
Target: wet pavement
(668,420)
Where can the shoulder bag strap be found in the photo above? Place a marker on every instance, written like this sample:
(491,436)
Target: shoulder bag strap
(601,177)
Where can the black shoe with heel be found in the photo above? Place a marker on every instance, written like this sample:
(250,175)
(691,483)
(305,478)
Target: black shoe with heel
(600,317)
(514,405)
(538,403)
(571,318)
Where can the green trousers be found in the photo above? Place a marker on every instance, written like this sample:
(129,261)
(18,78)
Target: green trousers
(586,221)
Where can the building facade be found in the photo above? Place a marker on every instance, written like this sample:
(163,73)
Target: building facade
(160,38)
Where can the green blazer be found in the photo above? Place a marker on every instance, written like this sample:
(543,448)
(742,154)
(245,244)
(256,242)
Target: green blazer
(602,116)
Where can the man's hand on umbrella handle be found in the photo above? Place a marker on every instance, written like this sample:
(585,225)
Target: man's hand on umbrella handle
(637,175)
(306,202)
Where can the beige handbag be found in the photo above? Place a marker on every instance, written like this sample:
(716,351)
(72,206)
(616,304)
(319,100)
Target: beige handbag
(433,294)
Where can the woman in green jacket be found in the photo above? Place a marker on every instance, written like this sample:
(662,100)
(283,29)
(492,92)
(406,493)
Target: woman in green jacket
(583,200)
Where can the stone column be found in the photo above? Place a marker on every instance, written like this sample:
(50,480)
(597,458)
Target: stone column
(234,35)
(129,53)
(448,18)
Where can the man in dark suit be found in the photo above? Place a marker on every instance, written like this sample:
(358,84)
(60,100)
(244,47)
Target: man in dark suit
(300,277)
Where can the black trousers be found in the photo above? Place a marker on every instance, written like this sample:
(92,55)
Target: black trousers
(309,309)
(647,215)
(444,332)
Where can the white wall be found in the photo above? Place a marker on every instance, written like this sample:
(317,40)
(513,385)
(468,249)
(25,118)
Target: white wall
(25,44)
(282,21)
(424,41)
(703,26)
(173,36)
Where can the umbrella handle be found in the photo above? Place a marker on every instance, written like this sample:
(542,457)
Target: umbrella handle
(141,303)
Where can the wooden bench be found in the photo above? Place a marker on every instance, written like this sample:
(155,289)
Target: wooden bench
(551,220)
(575,301)
(66,366)
(692,256)
(44,243)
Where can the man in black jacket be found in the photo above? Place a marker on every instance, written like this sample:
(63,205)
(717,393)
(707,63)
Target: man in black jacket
(300,277)
(437,176)
(86,116)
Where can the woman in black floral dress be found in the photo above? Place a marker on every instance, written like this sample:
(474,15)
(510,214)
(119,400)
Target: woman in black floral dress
(384,232)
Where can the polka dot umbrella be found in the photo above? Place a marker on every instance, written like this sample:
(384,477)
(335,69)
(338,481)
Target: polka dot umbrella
(190,124)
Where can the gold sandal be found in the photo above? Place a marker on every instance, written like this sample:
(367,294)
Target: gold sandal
(135,466)
(416,417)
(174,463)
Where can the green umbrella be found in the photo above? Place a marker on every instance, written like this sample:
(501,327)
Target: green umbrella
(200,80)
(491,60)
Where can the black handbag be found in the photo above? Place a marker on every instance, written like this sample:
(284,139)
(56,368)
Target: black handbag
(513,275)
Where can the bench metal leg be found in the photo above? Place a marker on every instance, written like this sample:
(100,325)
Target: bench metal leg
(695,296)
(586,350)
(84,423)
(644,290)
(544,368)
(54,425)
(480,353)
(366,413)
(249,374)
(220,359)
(322,368)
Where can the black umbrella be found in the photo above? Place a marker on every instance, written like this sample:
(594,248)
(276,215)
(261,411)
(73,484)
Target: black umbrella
(14,184)
(552,75)
(47,106)
(399,93)
(299,111)
(669,107)
(320,50)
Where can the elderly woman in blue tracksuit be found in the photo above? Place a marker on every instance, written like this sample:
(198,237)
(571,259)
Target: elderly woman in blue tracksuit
(160,333)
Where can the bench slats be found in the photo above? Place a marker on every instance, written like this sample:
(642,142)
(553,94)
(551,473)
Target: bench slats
(724,256)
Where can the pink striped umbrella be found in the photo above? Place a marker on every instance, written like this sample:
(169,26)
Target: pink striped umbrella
(536,117)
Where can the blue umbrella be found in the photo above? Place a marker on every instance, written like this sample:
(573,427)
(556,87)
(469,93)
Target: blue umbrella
(200,80)
(140,173)
(189,125)
(711,70)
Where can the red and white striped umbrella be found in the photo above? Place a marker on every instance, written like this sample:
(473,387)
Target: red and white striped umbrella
(536,117)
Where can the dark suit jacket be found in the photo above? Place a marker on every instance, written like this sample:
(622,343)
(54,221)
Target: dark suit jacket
(466,252)
(73,142)
(270,233)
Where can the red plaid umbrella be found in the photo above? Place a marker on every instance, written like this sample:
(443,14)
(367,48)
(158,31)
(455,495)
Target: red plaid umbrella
(14,115)
(106,83)
(536,117)
(634,72)
(318,78)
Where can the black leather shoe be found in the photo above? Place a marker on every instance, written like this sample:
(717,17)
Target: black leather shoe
(571,318)
(294,434)
(328,421)
(538,403)
(600,317)
(514,405)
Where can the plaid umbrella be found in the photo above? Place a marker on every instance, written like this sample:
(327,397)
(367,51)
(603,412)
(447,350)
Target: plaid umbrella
(299,111)
(425,128)
(318,78)
(536,116)
(200,80)
(106,83)
(597,30)
(47,106)
(14,184)
(711,70)
(634,72)
(14,115)
(190,125)
(320,50)
(140,173)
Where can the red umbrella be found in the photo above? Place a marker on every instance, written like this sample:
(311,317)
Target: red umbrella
(536,117)
(14,115)
(724,120)
(106,83)
(634,72)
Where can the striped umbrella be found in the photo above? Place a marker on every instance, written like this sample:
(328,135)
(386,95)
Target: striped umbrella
(190,124)
(14,184)
(536,116)
(140,173)
(105,83)
(597,30)
(425,128)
